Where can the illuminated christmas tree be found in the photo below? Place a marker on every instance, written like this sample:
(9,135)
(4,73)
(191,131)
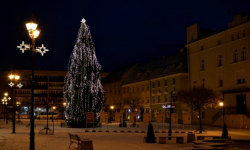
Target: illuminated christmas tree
(83,91)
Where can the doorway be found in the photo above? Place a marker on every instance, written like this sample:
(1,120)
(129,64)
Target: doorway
(241,104)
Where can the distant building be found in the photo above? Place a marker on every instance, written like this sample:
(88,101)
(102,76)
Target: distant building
(113,89)
(220,60)
(48,88)
(153,82)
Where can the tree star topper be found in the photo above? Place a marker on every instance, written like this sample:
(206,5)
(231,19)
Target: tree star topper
(42,50)
(83,20)
(23,47)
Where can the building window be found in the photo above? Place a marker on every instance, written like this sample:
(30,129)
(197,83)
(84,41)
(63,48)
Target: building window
(202,64)
(153,99)
(173,81)
(166,98)
(201,48)
(147,87)
(147,99)
(159,99)
(166,82)
(142,100)
(236,56)
(124,91)
(192,38)
(137,88)
(159,83)
(124,101)
(218,42)
(243,54)
(127,89)
(233,37)
(220,60)
(153,84)
(203,83)
(142,88)
(240,77)
(220,81)
(244,33)
(238,35)
(128,102)
(194,84)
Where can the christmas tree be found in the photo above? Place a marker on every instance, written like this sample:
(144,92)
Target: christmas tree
(83,91)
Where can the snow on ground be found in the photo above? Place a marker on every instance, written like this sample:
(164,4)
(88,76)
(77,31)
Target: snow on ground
(101,140)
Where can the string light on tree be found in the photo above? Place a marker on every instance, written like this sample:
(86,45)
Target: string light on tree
(83,91)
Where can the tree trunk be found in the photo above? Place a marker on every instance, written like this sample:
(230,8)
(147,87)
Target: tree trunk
(200,120)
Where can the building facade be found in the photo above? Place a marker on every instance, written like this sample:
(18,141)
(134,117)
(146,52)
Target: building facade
(113,89)
(152,83)
(48,90)
(220,60)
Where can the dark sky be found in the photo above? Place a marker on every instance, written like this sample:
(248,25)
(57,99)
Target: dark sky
(124,31)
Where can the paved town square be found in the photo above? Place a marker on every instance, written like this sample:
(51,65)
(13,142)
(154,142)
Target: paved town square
(101,140)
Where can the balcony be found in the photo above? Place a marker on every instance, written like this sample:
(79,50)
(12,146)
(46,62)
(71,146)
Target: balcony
(44,79)
(59,79)
(40,87)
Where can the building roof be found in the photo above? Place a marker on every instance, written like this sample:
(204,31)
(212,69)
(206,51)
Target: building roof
(117,73)
(158,68)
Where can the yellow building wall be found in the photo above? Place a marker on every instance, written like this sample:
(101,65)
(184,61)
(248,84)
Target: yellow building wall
(228,70)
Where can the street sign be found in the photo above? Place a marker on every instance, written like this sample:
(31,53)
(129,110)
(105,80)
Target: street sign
(90,117)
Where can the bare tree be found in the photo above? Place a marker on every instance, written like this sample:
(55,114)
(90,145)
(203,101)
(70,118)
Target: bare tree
(198,98)
(134,101)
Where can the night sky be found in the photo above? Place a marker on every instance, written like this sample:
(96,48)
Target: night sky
(124,31)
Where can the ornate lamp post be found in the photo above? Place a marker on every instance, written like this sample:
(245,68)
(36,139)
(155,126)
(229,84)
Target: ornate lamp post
(5,102)
(224,131)
(33,33)
(112,108)
(14,79)
(173,97)
(53,109)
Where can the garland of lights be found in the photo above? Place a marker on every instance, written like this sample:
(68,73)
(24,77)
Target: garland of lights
(83,91)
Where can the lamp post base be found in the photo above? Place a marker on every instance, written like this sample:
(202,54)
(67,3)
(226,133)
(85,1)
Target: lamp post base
(224,132)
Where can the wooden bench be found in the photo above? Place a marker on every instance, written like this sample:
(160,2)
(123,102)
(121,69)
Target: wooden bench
(179,139)
(74,138)
(202,137)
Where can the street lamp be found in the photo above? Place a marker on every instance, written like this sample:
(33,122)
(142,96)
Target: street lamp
(14,79)
(224,131)
(53,109)
(5,102)
(173,97)
(33,33)
(18,103)
(112,108)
